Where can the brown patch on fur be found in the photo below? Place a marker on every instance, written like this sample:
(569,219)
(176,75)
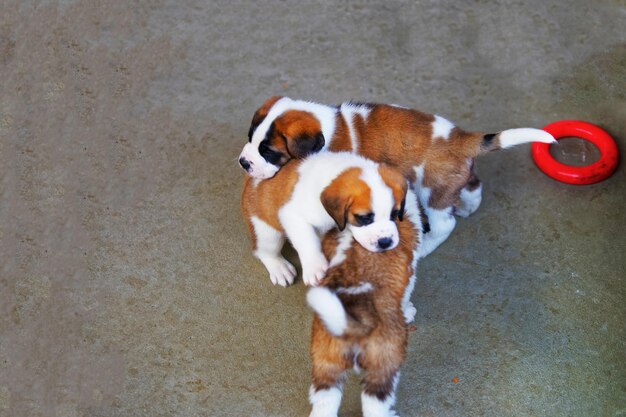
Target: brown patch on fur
(346,195)
(244,205)
(400,137)
(330,357)
(261,112)
(341,137)
(264,199)
(394,180)
(301,130)
(294,123)
(376,328)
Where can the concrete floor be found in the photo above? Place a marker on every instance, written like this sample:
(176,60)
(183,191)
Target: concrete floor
(127,285)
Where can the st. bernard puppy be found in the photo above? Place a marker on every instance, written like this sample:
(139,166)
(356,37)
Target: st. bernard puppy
(436,156)
(361,311)
(314,195)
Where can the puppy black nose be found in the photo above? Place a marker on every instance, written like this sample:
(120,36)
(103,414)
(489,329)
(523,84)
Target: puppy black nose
(244,163)
(384,242)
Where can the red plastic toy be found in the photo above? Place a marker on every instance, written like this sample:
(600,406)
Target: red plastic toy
(588,174)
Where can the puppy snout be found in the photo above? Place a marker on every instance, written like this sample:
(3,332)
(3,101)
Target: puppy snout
(384,243)
(244,163)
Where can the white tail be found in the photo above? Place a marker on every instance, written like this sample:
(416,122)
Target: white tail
(512,137)
(329,308)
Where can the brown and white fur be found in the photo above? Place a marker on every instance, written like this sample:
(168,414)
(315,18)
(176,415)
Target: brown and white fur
(314,195)
(436,156)
(361,311)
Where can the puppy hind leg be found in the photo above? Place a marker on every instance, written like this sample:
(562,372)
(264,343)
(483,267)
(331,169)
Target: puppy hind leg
(329,374)
(470,198)
(442,223)
(379,393)
(325,401)
(331,358)
(269,243)
(381,358)
(437,220)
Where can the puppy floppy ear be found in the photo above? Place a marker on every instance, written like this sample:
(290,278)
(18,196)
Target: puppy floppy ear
(301,131)
(398,184)
(336,205)
(303,145)
(261,113)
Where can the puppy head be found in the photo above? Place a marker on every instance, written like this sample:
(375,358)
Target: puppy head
(368,201)
(278,134)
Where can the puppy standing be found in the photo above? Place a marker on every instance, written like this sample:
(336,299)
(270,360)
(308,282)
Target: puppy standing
(312,196)
(436,156)
(361,311)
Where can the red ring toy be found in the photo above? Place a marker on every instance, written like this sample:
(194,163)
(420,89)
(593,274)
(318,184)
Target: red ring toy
(588,174)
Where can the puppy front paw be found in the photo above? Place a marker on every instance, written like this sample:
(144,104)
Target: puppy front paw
(409,312)
(314,271)
(281,272)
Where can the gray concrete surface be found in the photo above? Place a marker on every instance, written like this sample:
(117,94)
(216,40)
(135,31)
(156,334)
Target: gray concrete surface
(127,285)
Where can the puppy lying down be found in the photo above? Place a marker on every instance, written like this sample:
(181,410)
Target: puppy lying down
(361,309)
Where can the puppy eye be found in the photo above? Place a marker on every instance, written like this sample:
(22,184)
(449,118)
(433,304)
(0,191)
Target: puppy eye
(364,219)
(269,154)
(395,214)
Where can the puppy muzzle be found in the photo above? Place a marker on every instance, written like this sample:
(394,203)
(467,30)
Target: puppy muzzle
(255,165)
(377,237)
